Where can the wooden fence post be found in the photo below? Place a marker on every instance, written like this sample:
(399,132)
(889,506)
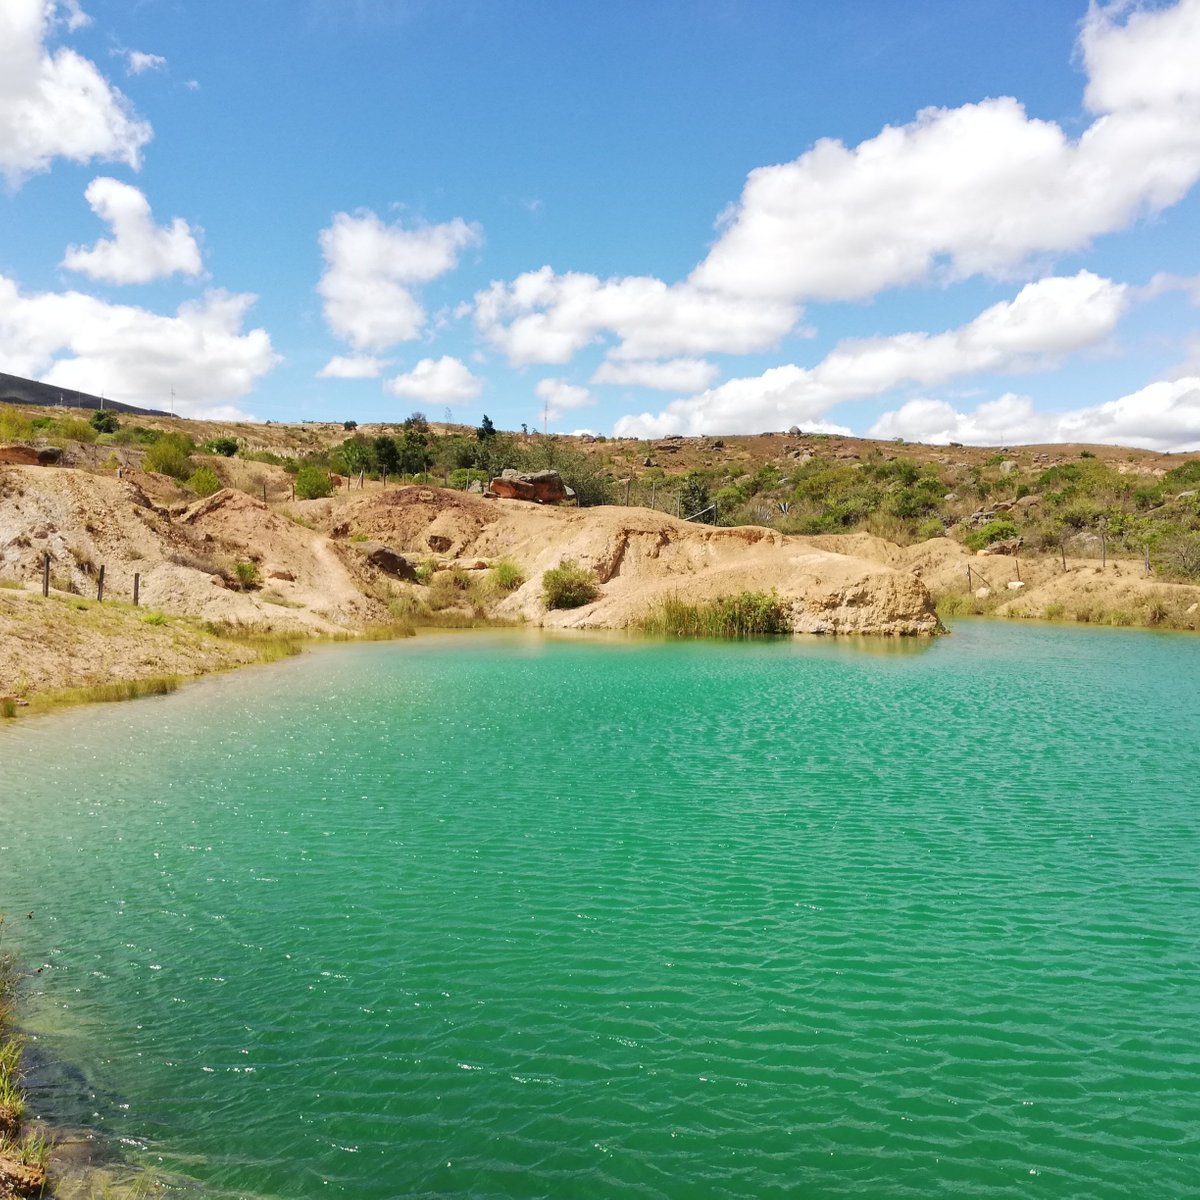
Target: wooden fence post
(1147,559)
(264,491)
(137,582)
(100,584)
(45,575)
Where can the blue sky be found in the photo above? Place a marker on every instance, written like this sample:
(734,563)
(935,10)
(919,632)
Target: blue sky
(939,220)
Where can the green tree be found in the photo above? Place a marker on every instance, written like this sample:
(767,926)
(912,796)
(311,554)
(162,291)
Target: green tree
(412,451)
(486,429)
(387,457)
(355,455)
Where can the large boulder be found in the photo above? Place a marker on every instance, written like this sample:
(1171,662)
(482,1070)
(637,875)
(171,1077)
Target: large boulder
(542,487)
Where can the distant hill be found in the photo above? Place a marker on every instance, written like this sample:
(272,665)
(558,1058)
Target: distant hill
(15,390)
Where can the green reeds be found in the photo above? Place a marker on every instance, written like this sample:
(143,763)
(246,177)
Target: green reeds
(746,615)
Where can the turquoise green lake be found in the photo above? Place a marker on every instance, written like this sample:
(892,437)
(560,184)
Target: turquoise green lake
(495,915)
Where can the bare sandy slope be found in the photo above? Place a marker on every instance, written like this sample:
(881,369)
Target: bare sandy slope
(639,556)
(314,571)
(1036,587)
(186,556)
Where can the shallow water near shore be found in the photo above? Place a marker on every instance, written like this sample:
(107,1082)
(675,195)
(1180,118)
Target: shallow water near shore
(498,915)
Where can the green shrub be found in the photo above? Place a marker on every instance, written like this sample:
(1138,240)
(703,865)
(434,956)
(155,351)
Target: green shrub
(1178,557)
(506,575)
(104,420)
(694,498)
(1185,476)
(72,429)
(450,589)
(999,530)
(424,571)
(14,425)
(313,484)
(569,586)
(133,435)
(226,447)
(167,457)
(462,476)
(746,615)
(247,574)
(204,482)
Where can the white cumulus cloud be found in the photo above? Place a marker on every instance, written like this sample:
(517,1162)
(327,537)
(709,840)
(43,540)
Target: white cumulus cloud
(371,269)
(56,103)
(139,250)
(670,375)
(1164,415)
(78,342)
(352,366)
(444,379)
(981,188)
(1044,321)
(543,317)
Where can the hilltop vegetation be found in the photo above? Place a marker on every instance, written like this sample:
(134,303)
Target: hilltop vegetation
(1071,499)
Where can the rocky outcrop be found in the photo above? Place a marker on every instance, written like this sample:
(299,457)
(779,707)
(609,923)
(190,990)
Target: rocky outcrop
(542,487)
(385,559)
(1008,548)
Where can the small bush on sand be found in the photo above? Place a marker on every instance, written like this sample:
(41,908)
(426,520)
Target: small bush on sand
(569,586)
(506,575)
(204,482)
(999,530)
(313,484)
(167,457)
(247,574)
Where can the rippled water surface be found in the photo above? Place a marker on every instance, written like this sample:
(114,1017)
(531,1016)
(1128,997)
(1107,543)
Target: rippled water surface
(497,916)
